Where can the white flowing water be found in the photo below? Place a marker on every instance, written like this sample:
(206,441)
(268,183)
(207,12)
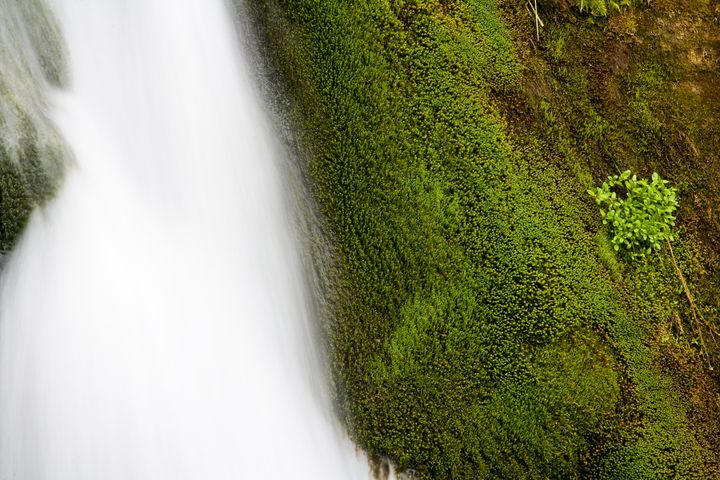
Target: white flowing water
(154,320)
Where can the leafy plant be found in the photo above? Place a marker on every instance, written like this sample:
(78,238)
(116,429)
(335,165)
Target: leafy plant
(601,8)
(639,212)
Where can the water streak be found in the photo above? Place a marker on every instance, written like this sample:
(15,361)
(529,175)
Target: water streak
(153,320)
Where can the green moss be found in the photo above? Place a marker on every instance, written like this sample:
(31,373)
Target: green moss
(25,183)
(29,176)
(482,330)
(15,204)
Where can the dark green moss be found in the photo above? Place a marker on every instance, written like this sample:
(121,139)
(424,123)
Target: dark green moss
(15,204)
(29,176)
(25,183)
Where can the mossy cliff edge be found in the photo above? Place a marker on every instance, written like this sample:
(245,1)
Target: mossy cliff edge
(31,151)
(484,327)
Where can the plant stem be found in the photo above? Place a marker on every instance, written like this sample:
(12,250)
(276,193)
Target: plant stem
(697,315)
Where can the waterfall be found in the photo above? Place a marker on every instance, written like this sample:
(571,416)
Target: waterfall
(154,318)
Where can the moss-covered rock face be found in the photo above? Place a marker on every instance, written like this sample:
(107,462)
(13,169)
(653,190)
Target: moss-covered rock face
(485,328)
(31,151)
(15,206)
(640,91)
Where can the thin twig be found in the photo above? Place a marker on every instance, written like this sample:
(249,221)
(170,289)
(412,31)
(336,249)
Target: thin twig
(537,15)
(538,21)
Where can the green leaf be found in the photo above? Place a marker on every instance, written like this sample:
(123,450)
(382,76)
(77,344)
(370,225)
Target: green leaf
(641,219)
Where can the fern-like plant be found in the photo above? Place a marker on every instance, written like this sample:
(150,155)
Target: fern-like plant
(639,212)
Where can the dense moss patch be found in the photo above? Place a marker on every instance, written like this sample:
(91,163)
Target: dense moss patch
(26,181)
(484,328)
(15,206)
(632,92)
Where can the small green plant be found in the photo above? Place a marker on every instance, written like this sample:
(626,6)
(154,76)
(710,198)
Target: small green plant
(601,8)
(639,212)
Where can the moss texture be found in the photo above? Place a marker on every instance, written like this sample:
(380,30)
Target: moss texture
(32,57)
(25,183)
(484,326)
